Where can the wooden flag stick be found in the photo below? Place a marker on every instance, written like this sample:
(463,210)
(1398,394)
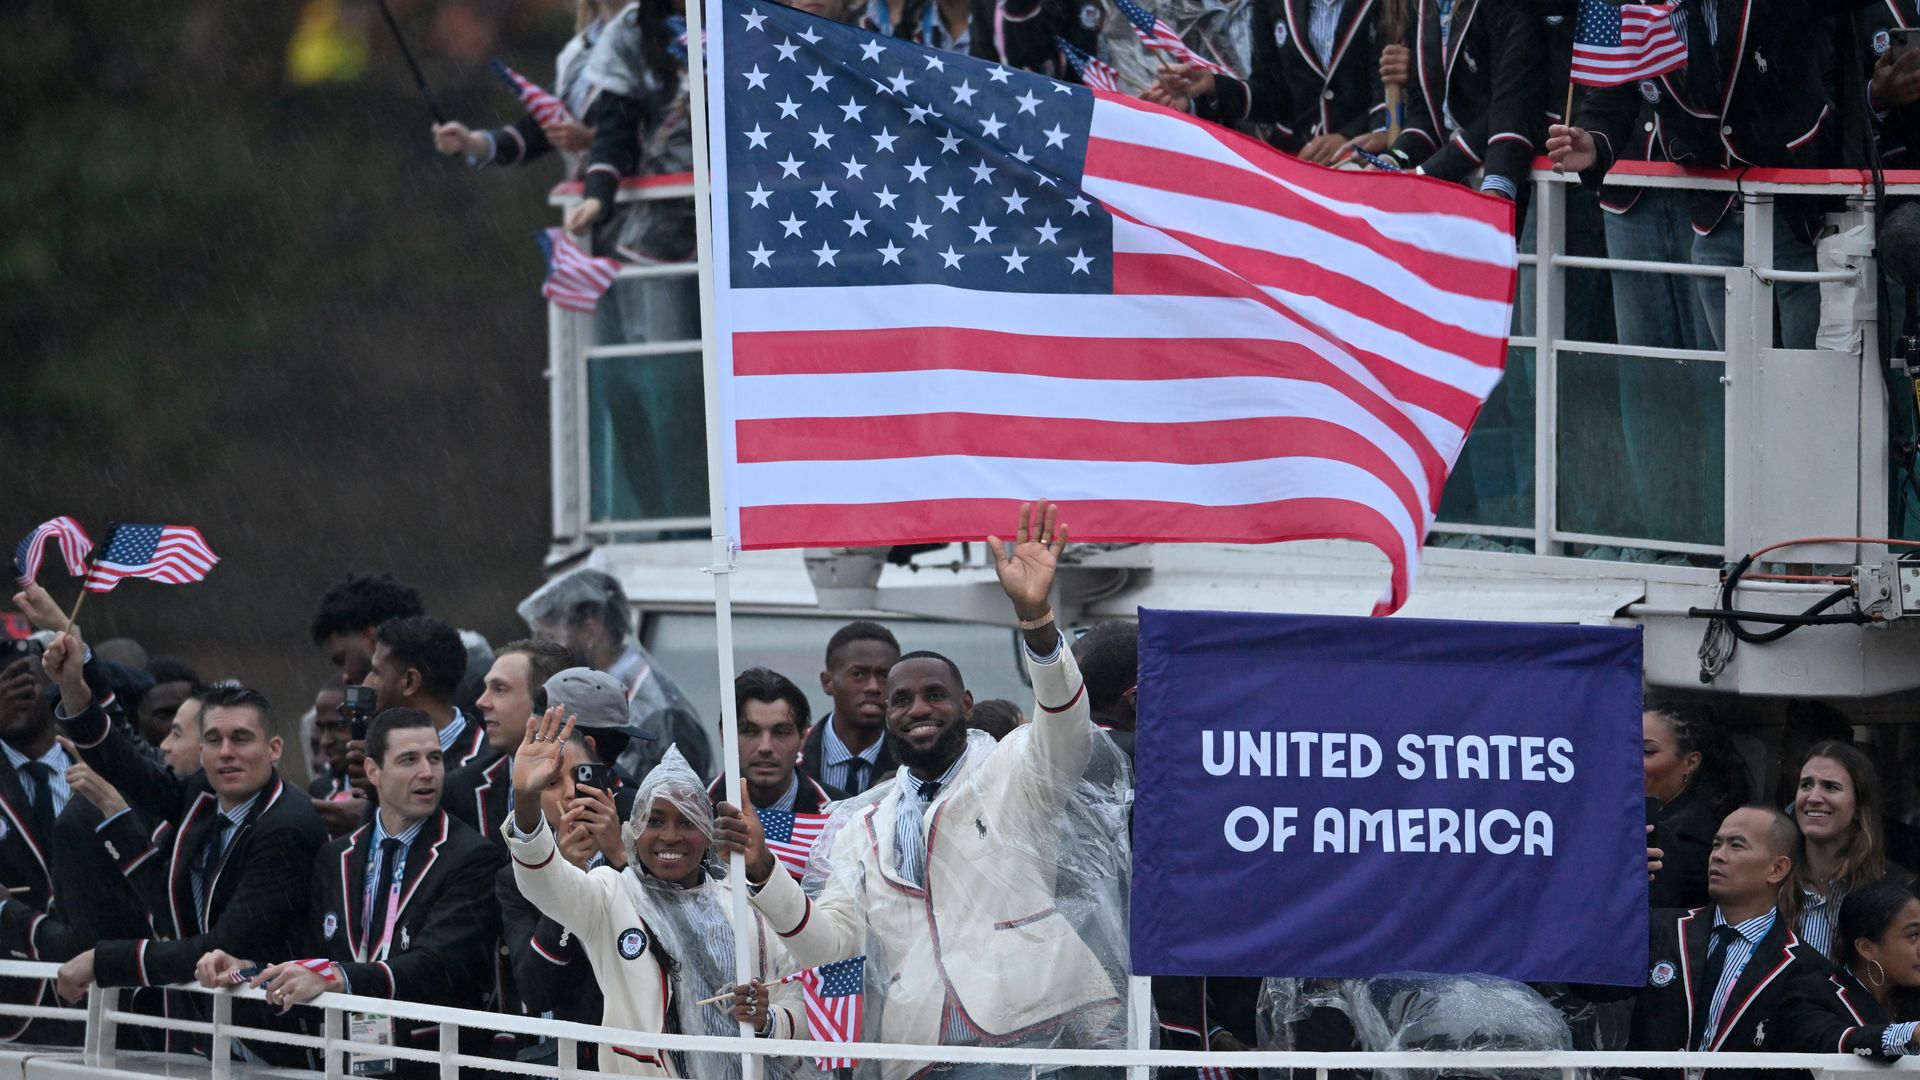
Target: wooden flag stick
(1566,111)
(728,995)
(73,617)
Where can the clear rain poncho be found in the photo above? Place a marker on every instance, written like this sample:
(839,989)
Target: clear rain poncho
(1420,1011)
(1028,875)
(692,923)
(659,714)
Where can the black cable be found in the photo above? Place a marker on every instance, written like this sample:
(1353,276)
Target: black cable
(1784,624)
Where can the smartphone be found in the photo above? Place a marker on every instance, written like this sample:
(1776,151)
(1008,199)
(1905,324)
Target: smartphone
(593,774)
(1653,821)
(357,709)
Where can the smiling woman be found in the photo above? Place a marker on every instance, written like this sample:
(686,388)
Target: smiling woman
(1838,807)
(656,933)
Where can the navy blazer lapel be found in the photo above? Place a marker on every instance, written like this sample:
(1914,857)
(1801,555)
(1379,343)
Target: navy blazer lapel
(1352,16)
(186,844)
(268,796)
(1299,16)
(421,855)
(1770,957)
(1694,930)
(15,805)
(353,877)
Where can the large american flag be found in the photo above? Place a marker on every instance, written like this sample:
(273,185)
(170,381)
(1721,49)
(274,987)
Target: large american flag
(791,836)
(544,107)
(575,280)
(1155,33)
(835,997)
(947,286)
(74,545)
(1614,45)
(169,554)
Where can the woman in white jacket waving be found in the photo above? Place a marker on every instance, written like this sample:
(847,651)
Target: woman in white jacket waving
(657,933)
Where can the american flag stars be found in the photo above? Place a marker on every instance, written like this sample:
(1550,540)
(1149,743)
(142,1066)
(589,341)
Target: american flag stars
(857,160)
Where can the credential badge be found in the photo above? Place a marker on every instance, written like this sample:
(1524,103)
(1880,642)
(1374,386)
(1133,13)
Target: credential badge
(1090,15)
(1882,41)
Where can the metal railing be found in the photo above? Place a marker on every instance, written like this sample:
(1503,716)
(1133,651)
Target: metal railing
(104,1018)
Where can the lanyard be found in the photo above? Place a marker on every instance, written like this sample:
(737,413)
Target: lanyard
(378,950)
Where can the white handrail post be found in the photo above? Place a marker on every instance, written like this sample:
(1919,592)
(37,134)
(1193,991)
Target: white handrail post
(568,1057)
(449,1046)
(222,1039)
(333,1029)
(100,1035)
(1549,326)
(1139,1021)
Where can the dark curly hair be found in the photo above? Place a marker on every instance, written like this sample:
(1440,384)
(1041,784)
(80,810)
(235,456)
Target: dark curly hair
(361,603)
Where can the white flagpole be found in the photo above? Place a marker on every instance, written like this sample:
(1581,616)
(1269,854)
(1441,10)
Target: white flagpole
(718,431)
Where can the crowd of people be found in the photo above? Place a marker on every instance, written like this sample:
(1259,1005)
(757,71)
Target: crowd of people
(539,830)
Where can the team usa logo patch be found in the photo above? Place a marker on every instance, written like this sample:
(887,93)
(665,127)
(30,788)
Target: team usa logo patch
(1090,15)
(632,943)
(329,926)
(1882,41)
(1650,90)
(1280,35)
(1662,974)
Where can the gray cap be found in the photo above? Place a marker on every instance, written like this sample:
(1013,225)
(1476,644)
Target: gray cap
(595,699)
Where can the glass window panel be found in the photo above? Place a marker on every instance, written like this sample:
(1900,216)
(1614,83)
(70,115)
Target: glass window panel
(647,437)
(1641,448)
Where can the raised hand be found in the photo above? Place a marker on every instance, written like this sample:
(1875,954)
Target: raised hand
(90,785)
(1026,567)
(39,608)
(1571,149)
(537,764)
(65,660)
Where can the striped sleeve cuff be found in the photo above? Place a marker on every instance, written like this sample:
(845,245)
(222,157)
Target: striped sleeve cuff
(1895,1040)
(1498,185)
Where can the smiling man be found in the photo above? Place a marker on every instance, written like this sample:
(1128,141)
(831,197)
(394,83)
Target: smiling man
(403,908)
(848,750)
(481,794)
(946,878)
(237,844)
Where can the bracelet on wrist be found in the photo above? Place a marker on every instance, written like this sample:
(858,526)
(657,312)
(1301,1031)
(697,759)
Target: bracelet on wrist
(1035,624)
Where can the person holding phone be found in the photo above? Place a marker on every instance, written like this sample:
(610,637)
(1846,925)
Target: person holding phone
(657,934)
(1694,778)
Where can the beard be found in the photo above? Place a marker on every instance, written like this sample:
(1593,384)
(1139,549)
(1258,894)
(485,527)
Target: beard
(942,753)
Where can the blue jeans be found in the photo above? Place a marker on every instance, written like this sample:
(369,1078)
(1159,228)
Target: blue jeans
(1796,305)
(1672,412)
(1659,310)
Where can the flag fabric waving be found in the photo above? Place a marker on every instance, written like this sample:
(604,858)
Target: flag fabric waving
(169,554)
(791,836)
(575,280)
(1614,45)
(835,1000)
(1094,72)
(946,286)
(1156,34)
(544,107)
(74,545)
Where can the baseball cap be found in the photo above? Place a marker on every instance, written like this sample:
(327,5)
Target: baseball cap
(595,699)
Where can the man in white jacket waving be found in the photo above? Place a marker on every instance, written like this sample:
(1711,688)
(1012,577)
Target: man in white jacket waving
(951,879)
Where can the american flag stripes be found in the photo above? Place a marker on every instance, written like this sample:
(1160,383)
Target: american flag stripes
(575,280)
(1155,34)
(791,836)
(544,107)
(946,286)
(835,1000)
(1614,45)
(1095,73)
(169,554)
(74,545)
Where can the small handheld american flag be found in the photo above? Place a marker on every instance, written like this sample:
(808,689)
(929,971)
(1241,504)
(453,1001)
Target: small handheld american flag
(544,107)
(575,279)
(791,836)
(74,545)
(835,998)
(169,554)
(1615,45)
(1155,34)
(1095,73)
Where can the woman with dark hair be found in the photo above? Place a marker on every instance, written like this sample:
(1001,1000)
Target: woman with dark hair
(1837,805)
(1692,768)
(1879,952)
